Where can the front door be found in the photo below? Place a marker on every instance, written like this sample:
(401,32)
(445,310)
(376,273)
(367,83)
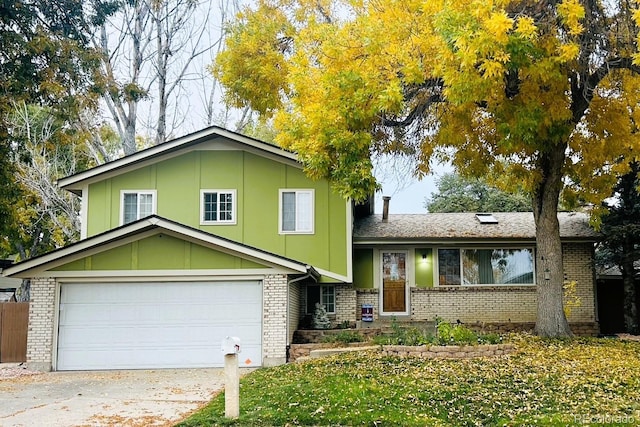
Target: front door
(394,282)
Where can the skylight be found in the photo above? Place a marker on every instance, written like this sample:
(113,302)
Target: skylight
(486,218)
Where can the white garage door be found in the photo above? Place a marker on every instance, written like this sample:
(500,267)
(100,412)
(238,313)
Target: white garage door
(157,325)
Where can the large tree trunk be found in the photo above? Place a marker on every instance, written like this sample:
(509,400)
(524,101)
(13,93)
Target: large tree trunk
(551,320)
(129,145)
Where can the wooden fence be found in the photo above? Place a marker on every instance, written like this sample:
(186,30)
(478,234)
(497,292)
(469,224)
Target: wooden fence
(14,323)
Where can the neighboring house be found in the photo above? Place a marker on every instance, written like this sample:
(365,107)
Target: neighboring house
(216,234)
(7,286)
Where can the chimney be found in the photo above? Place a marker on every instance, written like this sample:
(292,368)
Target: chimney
(385,208)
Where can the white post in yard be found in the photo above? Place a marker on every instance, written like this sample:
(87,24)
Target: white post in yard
(231,348)
(231,386)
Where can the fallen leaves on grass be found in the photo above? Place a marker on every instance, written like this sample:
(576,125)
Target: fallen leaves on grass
(547,382)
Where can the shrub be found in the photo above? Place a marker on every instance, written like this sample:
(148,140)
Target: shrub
(404,336)
(458,334)
(344,337)
(570,298)
(345,324)
(489,339)
(446,334)
(321,318)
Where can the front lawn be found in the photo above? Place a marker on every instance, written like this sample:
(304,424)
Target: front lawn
(546,382)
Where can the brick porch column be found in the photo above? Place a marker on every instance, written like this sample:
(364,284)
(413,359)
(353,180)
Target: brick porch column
(274,320)
(41,322)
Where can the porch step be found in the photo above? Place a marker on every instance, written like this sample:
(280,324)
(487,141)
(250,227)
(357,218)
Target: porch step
(315,354)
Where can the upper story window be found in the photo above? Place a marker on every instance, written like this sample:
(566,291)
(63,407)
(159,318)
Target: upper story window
(136,204)
(486,266)
(217,206)
(296,211)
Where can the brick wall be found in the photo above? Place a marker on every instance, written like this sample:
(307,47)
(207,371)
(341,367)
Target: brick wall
(475,304)
(366,296)
(578,265)
(345,303)
(274,326)
(41,322)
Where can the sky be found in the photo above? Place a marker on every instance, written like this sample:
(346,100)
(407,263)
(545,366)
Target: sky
(408,194)
(407,197)
(411,198)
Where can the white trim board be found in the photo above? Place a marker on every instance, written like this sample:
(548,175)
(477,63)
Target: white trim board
(143,228)
(170,149)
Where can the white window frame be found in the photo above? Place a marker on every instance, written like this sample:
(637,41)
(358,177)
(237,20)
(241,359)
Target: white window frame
(322,288)
(410,278)
(436,269)
(322,294)
(154,202)
(281,210)
(233,219)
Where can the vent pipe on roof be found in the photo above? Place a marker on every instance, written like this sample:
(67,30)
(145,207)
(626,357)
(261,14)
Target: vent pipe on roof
(385,208)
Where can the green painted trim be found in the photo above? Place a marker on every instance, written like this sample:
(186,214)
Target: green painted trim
(424,267)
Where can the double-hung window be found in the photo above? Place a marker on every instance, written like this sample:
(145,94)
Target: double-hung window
(217,207)
(296,211)
(486,266)
(136,205)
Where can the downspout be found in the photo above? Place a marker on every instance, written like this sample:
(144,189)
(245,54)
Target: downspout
(311,273)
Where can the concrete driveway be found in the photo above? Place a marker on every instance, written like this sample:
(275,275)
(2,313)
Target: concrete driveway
(106,398)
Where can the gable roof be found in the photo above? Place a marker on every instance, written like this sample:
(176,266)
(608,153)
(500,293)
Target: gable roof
(145,227)
(465,226)
(74,183)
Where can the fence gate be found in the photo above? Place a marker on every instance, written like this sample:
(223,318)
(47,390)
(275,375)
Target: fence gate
(14,323)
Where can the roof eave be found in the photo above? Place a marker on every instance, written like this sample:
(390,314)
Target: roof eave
(460,240)
(74,182)
(24,268)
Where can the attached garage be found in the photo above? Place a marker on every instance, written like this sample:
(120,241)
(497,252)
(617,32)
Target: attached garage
(140,325)
(156,294)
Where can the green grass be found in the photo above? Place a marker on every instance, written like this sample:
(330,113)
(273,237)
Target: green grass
(546,382)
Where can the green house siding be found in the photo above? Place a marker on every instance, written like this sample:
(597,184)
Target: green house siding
(363,268)
(100,207)
(123,257)
(424,267)
(256,180)
(178,178)
(160,252)
(260,201)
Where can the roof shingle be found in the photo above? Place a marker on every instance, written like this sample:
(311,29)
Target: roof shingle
(462,226)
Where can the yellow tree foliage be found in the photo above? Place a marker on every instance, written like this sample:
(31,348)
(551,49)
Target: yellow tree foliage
(542,92)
